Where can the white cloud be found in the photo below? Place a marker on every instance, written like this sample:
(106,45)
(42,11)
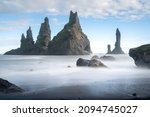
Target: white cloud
(124,9)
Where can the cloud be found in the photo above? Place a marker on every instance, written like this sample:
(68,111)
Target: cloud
(124,9)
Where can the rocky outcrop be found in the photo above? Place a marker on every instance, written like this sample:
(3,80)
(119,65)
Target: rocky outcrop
(7,87)
(26,47)
(95,57)
(117,49)
(107,58)
(43,38)
(96,63)
(108,49)
(82,62)
(90,63)
(27,44)
(70,40)
(141,55)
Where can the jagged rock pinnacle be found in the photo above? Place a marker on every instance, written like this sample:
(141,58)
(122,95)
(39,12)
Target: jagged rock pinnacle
(118,37)
(108,49)
(29,34)
(117,49)
(70,40)
(44,36)
(46,20)
(73,20)
(23,39)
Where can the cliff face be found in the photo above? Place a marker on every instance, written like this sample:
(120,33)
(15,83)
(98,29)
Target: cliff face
(117,49)
(70,40)
(141,55)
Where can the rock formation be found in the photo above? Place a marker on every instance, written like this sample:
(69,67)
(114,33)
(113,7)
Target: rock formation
(96,63)
(141,55)
(26,47)
(95,57)
(7,87)
(82,62)
(117,49)
(44,37)
(23,42)
(107,58)
(89,63)
(108,49)
(27,44)
(71,40)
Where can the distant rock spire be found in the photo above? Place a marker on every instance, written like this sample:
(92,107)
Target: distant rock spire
(108,49)
(117,49)
(22,37)
(44,36)
(118,37)
(29,34)
(23,41)
(27,43)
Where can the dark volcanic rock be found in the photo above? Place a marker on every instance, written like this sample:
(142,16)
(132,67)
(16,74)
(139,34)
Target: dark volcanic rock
(23,42)
(26,47)
(71,40)
(107,58)
(44,37)
(82,62)
(95,57)
(109,49)
(27,44)
(90,63)
(14,52)
(29,41)
(7,87)
(141,55)
(117,49)
(96,63)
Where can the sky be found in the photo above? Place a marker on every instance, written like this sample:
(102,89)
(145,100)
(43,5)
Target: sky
(98,18)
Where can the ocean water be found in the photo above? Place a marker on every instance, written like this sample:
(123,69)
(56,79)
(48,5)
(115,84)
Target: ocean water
(51,74)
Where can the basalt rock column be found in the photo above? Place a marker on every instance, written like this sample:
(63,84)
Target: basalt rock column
(44,37)
(117,49)
(108,49)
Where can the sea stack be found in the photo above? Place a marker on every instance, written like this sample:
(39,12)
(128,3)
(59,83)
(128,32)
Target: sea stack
(43,38)
(117,49)
(26,46)
(28,43)
(70,40)
(108,49)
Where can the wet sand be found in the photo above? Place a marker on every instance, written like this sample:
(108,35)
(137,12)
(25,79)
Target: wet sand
(112,90)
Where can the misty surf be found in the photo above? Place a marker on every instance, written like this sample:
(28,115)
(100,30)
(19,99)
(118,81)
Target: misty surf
(58,77)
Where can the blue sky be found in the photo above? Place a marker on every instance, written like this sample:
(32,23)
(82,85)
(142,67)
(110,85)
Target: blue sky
(99,20)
